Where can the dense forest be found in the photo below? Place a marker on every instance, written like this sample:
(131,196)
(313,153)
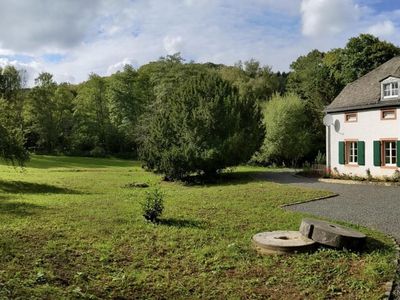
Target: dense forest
(105,115)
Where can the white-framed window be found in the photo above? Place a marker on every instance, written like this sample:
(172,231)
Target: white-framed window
(390,153)
(390,89)
(352,152)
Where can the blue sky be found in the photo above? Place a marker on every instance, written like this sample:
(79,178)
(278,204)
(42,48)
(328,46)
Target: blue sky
(72,38)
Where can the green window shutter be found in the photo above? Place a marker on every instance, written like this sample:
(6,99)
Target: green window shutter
(398,153)
(341,153)
(361,153)
(377,154)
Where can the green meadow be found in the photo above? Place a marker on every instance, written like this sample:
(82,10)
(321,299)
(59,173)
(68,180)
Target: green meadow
(71,228)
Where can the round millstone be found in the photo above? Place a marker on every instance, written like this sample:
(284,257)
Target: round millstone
(332,235)
(282,242)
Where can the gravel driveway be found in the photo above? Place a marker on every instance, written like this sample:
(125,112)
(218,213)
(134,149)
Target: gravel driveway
(376,207)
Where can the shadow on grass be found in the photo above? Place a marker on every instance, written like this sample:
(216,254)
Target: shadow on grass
(372,245)
(46,162)
(243,177)
(180,223)
(33,188)
(19,209)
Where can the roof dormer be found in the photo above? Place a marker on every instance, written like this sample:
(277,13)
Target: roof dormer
(390,88)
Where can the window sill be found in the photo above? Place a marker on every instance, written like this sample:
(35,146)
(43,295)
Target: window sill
(389,167)
(351,165)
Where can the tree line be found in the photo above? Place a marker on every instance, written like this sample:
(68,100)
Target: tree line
(123,114)
(100,116)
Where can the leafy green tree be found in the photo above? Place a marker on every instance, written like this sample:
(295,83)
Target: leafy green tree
(200,126)
(40,118)
(10,83)
(311,79)
(11,98)
(11,113)
(252,79)
(363,54)
(12,147)
(175,58)
(11,117)
(287,140)
(251,67)
(282,82)
(333,60)
(49,115)
(319,77)
(236,76)
(156,71)
(64,115)
(315,83)
(93,130)
(128,94)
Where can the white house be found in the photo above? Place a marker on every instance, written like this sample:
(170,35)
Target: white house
(363,129)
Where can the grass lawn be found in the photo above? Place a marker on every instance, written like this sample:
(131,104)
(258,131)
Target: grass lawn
(70,229)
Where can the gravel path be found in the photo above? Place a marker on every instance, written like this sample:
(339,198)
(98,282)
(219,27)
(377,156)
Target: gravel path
(376,207)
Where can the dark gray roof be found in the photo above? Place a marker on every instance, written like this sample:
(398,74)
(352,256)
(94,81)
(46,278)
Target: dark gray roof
(365,92)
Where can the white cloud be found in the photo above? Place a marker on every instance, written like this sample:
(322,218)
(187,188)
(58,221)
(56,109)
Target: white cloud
(327,17)
(101,36)
(120,65)
(45,25)
(288,7)
(145,30)
(173,44)
(31,69)
(382,29)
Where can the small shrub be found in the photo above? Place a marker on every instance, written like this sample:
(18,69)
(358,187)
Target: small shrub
(153,205)
(320,159)
(396,176)
(98,152)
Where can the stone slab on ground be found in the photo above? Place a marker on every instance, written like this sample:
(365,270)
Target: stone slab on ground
(282,242)
(333,235)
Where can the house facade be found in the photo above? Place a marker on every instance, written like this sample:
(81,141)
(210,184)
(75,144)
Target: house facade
(363,124)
